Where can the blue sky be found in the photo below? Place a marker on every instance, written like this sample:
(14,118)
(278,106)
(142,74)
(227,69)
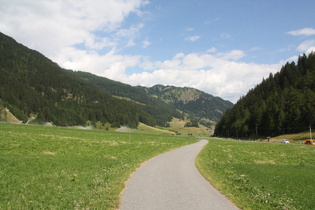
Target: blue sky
(222,47)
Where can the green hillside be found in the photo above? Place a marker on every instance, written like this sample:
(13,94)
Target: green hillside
(159,110)
(31,84)
(34,88)
(165,102)
(284,103)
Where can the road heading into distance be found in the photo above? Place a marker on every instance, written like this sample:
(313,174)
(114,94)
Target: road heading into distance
(171,181)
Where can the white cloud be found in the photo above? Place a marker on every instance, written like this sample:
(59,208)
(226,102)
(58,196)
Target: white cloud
(64,23)
(307,46)
(110,65)
(232,55)
(98,43)
(304,31)
(193,38)
(130,34)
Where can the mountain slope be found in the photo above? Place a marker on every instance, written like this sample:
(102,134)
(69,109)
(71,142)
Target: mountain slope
(283,103)
(195,103)
(31,84)
(164,101)
(159,110)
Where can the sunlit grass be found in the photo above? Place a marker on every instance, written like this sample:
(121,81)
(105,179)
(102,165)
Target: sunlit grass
(61,168)
(179,126)
(143,128)
(261,175)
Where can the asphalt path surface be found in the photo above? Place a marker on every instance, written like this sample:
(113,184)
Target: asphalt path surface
(171,181)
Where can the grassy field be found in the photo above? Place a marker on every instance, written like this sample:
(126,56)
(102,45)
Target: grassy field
(143,128)
(178,126)
(63,168)
(261,175)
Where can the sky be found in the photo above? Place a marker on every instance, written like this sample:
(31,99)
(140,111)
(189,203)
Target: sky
(222,47)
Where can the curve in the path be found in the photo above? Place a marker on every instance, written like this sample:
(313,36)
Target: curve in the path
(171,181)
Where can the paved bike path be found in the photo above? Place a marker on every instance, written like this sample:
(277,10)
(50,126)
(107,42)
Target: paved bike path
(171,181)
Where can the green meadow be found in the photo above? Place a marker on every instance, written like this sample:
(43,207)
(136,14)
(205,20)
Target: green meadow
(258,175)
(65,168)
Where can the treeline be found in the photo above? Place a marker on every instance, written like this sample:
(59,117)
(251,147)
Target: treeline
(283,103)
(31,84)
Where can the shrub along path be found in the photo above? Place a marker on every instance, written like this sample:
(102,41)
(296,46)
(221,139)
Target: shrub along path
(172,181)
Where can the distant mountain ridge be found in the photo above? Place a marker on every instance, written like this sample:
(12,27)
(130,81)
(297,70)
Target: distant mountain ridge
(32,86)
(196,103)
(190,101)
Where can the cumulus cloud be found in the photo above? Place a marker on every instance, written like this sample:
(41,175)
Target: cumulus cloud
(110,65)
(130,34)
(307,46)
(232,55)
(64,23)
(304,31)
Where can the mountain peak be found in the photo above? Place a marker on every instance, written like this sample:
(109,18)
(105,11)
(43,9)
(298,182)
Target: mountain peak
(194,102)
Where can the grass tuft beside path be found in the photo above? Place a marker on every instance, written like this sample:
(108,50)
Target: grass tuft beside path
(261,175)
(62,168)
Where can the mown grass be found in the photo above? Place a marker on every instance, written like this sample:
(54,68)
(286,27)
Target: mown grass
(62,168)
(261,175)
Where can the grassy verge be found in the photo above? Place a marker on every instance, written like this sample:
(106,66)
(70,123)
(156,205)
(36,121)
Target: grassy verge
(62,168)
(261,175)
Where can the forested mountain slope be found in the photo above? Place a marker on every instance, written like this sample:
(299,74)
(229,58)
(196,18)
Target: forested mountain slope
(164,101)
(282,103)
(31,84)
(161,111)
(197,104)
(34,86)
